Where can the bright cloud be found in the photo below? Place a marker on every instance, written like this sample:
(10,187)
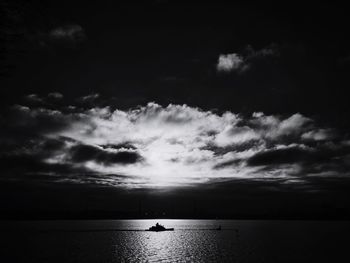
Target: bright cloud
(234,62)
(152,145)
(231,62)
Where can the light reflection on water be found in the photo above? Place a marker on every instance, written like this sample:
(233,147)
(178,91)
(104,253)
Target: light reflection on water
(126,241)
(189,242)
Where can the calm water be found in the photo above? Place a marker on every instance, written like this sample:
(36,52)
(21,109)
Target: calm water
(192,241)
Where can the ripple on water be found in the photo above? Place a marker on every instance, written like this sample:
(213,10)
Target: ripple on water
(177,246)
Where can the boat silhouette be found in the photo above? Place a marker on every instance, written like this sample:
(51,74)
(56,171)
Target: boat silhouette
(159,228)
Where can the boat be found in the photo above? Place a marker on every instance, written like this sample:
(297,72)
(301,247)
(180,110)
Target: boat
(159,228)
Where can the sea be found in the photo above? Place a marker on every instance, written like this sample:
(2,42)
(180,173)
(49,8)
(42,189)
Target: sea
(192,241)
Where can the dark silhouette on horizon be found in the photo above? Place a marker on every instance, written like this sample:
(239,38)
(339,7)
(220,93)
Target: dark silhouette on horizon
(159,228)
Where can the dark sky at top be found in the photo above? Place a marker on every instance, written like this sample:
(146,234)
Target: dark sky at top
(282,68)
(167,52)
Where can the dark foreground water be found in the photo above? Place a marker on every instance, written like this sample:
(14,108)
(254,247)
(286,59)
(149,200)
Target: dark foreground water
(192,241)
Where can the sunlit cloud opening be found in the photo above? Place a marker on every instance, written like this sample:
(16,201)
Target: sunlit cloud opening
(176,145)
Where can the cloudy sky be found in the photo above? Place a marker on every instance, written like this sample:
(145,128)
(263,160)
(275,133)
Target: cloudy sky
(191,103)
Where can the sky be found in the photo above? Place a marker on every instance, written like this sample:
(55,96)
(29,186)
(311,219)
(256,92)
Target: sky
(170,108)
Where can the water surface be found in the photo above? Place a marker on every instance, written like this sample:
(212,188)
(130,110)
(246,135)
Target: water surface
(192,241)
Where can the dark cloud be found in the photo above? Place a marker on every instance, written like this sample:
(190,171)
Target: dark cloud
(125,145)
(323,158)
(69,33)
(34,98)
(55,95)
(26,165)
(272,50)
(235,147)
(226,164)
(37,121)
(279,156)
(89,98)
(83,153)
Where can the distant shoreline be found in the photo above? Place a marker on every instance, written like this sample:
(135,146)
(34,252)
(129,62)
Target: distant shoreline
(180,218)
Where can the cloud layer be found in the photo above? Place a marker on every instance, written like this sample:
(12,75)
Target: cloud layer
(176,145)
